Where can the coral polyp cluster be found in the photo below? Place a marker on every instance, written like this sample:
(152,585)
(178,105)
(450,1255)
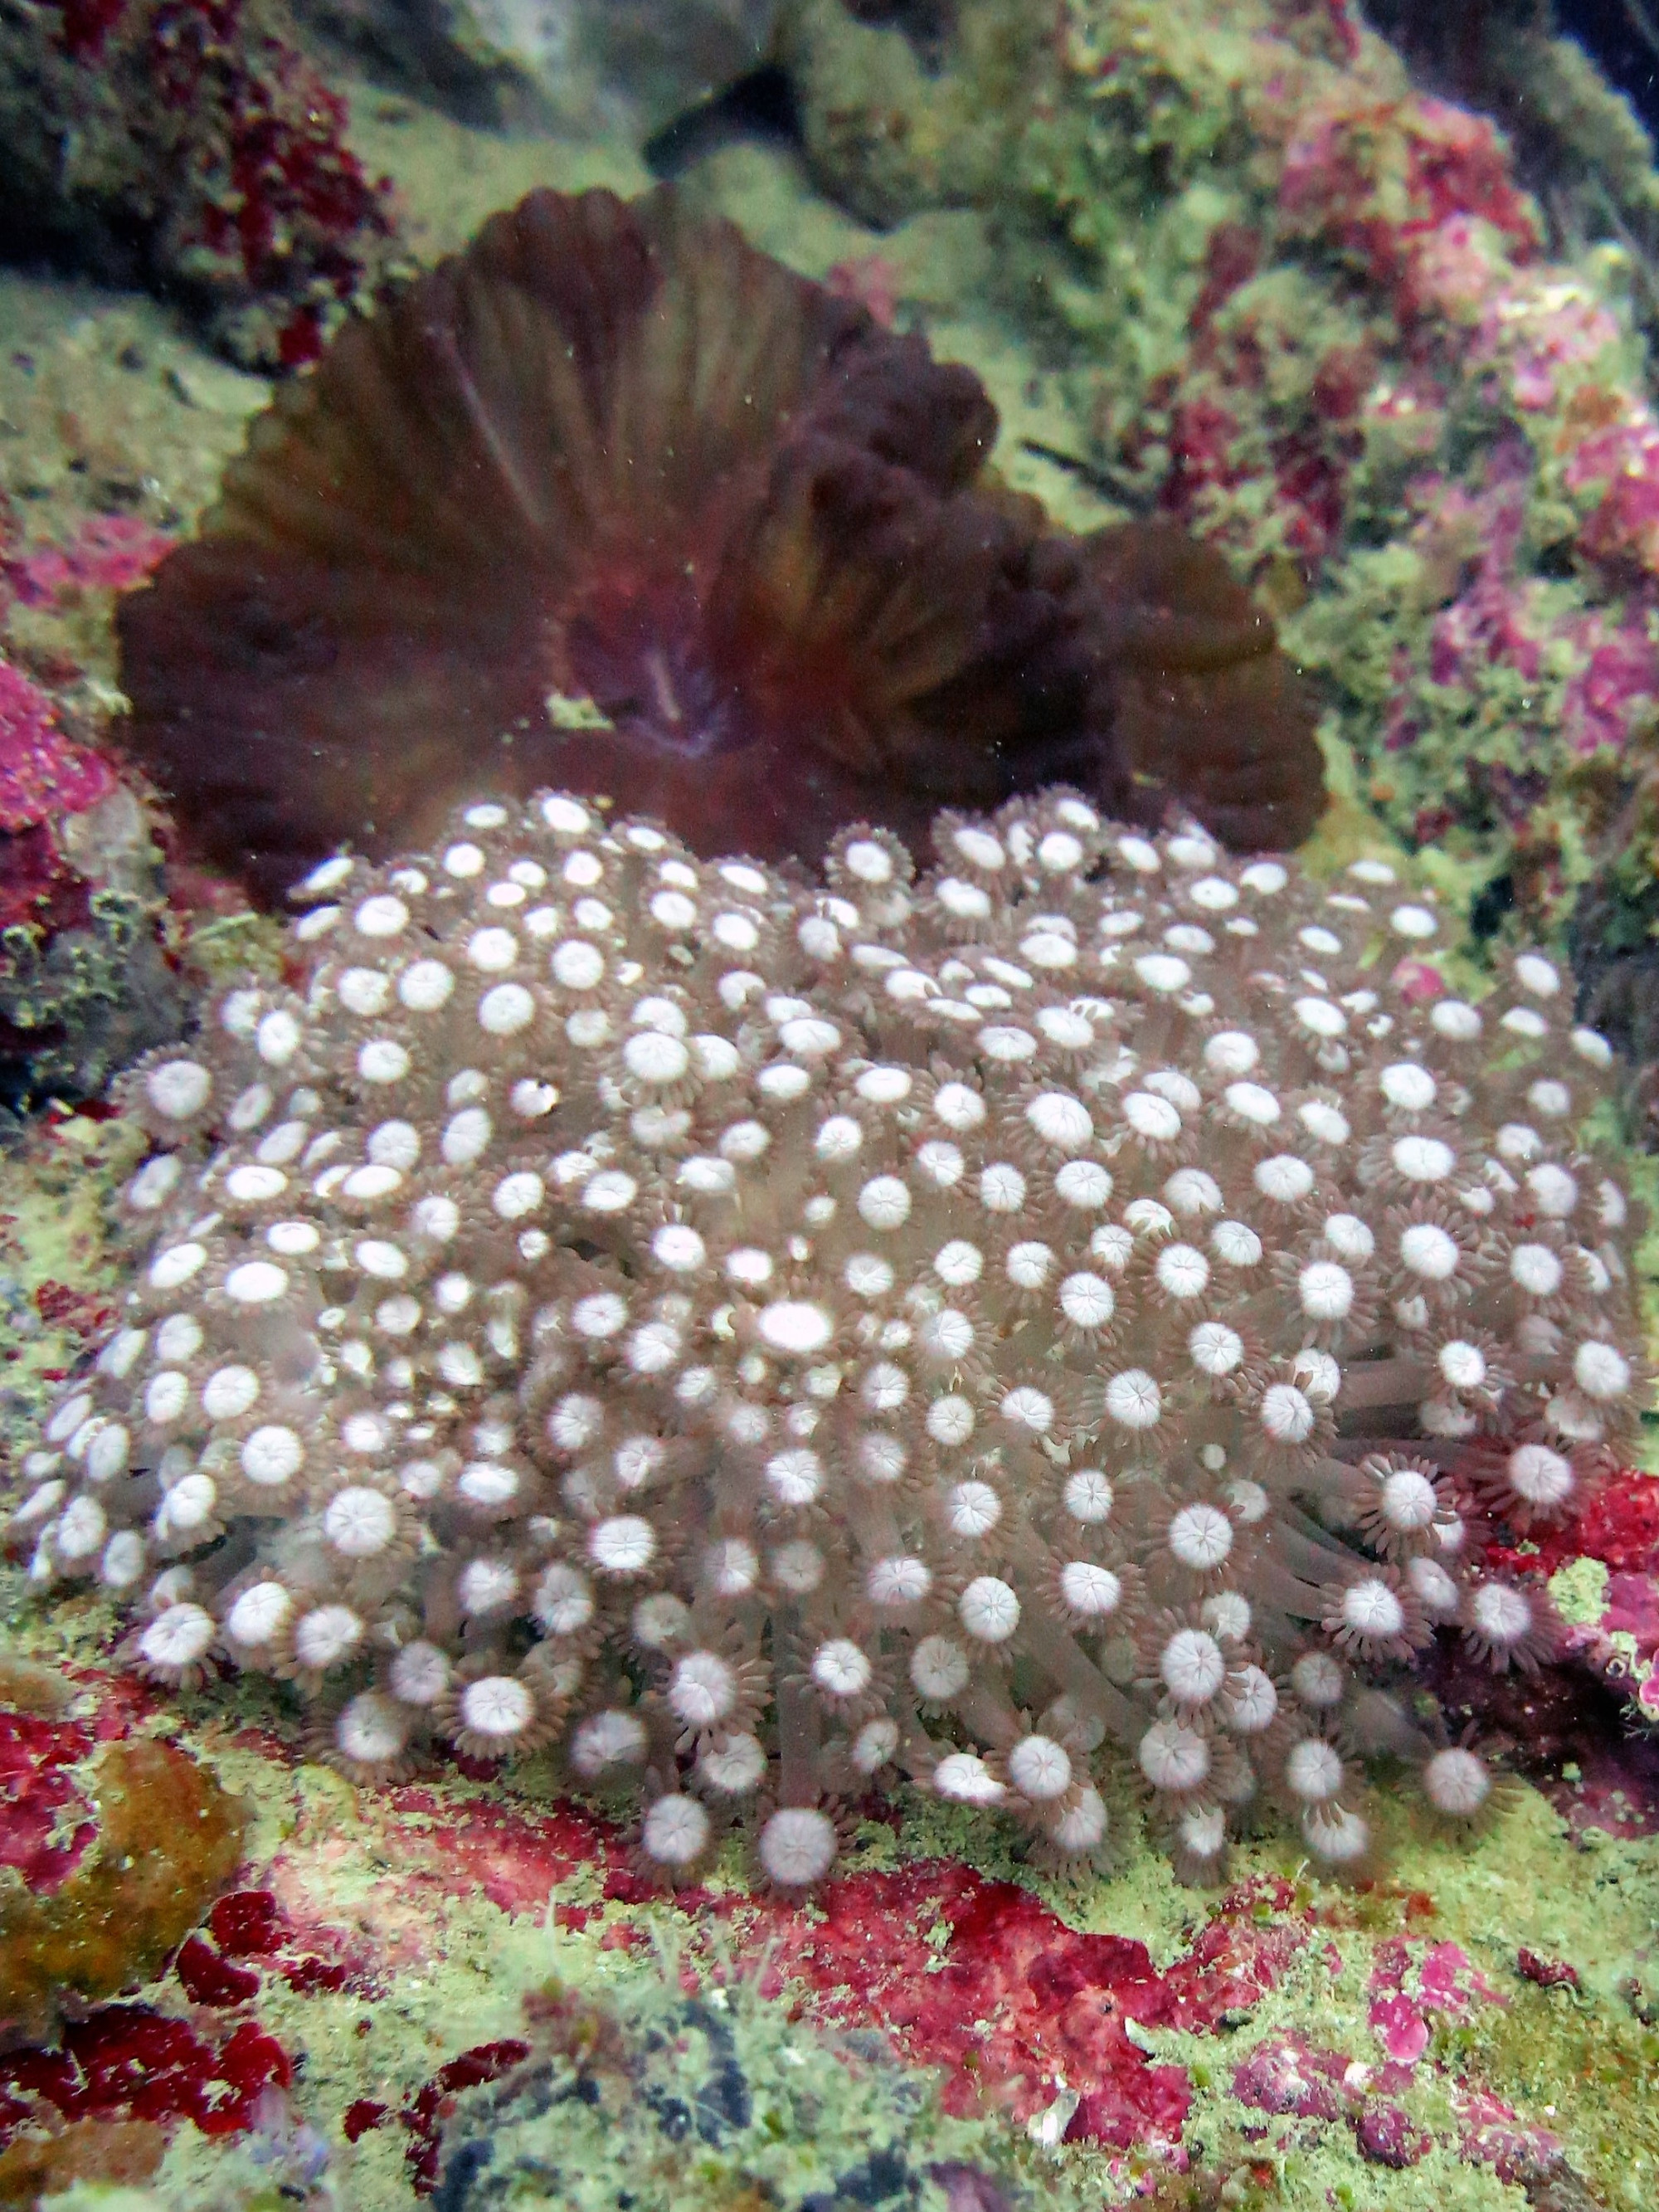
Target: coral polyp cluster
(772,1338)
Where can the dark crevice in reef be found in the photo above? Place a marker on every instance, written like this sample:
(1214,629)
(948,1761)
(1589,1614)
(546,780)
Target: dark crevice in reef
(760,107)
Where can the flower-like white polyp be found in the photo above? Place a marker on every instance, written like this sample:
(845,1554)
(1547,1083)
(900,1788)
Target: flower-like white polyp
(359,1523)
(1313,1770)
(563,1601)
(1060,1121)
(497,1708)
(675,1831)
(702,1689)
(797,1847)
(1326,1290)
(1133,1399)
(1251,1700)
(988,1609)
(327,1636)
(624,1544)
(1286,1414)
(1183,1271)
(1535,1269)
(1192,1666)
(1423,1159)
(1600,1370)
(1151,1117)
(1429,1252)
(259,1615)
(1232,1052)
(1456,1783)
(1093,1592)
(1501,1613)
(733,1764)
(1540,1477)
(964,1778)
(1040,1769)
(615,1738)
(797,1326)
(1253,1103)
(899,1580)
(1216,1349)
(1407,1087)
(840,1669)
(1173,1756)
(939,1668)
(1407,1500)
(1201,1536)
(1284,1178)
(1371,1608)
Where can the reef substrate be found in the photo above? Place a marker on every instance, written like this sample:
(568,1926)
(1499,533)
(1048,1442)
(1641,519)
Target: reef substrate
(1311,309)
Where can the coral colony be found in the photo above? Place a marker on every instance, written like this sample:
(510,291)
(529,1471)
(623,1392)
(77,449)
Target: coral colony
(774,1338)
(613,453)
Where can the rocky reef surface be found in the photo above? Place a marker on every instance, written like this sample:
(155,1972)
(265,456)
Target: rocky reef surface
(1226,263)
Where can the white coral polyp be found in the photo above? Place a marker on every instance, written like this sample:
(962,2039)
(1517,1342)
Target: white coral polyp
(785,1340)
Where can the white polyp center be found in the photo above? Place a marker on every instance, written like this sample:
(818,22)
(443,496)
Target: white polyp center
(1500,1614)
(797,1846)
(1133,1399)
(1423,1159)
(702,1689)
(1216,1349)
(1457,1783)
(1538,1476)
(1600,1370)
(625,1544)
(359,1523)
(1429,1252)
(1371,1608)
(1326,1290)
(497,1707)
(1173,1756)
(1406,1499)
(840,1669)
(988,1609)
(1464,1364)
(675,1831)
(1201,1536)
(1192,1666)
(1313,1770)
(1093,1592)
(1535,1269)
(1286,1414)
(608,1739)
(1039,1768)
(795,1326)
(1182,1271)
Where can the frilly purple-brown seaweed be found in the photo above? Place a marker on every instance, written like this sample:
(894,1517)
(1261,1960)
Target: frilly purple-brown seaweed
(611,450)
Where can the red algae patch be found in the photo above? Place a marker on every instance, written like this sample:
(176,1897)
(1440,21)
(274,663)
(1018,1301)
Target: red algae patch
(981,1980)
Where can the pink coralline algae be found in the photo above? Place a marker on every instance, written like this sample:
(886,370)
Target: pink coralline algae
(107,553)
(1379,180)
(1373,326)
(1415,1989)
(771,1340)
(43,773)
(85,982)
